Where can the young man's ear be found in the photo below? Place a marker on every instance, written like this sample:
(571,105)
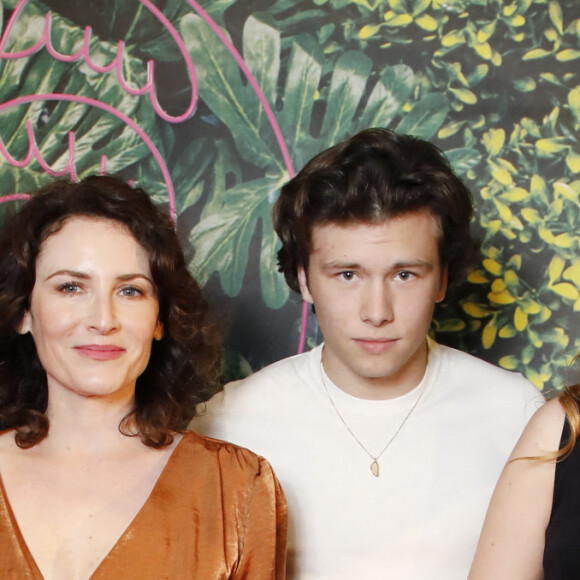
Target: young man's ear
(303,281)
(442,286)
(25,324)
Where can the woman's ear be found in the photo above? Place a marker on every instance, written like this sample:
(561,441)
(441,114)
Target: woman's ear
(158,334)
(25,324)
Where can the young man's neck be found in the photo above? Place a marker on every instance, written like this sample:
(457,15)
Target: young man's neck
(376,387)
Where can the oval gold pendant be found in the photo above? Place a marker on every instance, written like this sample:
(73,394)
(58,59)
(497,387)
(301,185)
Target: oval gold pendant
(375,468)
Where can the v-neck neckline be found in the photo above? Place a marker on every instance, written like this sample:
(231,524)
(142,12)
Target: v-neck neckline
(23,546)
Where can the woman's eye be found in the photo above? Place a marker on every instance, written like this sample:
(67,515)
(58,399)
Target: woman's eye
(131,291)
(69,288)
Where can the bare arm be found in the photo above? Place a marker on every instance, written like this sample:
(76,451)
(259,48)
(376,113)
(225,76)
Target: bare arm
(511,546)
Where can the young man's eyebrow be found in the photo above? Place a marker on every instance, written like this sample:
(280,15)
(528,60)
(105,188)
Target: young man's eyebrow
(412,264)
(335,264)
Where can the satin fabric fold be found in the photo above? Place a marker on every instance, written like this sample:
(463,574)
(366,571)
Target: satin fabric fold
(217,512)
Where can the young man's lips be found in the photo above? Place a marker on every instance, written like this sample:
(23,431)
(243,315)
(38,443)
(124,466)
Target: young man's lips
(100,351)
(376,345)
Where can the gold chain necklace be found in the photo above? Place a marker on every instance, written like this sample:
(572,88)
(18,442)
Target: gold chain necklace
(375,463)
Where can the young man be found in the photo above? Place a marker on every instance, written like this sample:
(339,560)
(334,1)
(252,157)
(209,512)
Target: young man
(388,445)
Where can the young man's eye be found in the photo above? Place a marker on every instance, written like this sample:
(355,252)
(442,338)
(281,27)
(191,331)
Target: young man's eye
(405,275)
(348,275)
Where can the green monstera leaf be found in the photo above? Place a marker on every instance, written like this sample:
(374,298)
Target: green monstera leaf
(224,91)
(219,233)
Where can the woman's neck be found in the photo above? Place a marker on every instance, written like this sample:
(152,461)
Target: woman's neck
(87,425)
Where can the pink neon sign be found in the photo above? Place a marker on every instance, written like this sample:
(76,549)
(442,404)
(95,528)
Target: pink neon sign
(115,65)
(70,167)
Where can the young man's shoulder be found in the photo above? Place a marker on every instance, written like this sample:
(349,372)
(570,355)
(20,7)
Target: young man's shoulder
(460,363)
(282,385)
(278,376)
(464,370)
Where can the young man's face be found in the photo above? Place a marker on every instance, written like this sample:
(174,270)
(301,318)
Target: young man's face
(374,288)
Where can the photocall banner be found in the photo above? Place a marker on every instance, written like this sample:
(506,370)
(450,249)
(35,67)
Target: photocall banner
(212,105)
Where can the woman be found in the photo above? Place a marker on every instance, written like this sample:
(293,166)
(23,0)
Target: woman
(105,345)
(532,526)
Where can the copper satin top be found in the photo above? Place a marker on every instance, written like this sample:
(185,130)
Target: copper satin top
(216,512)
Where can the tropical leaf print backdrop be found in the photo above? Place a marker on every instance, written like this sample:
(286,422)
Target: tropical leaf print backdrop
(211,105)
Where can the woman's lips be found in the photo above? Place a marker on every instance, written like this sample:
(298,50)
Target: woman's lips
(100,351)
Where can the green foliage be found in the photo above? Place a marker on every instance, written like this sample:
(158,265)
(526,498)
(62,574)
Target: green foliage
(529,222)
(495,84)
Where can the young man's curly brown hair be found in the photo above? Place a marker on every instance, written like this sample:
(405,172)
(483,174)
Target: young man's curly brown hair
(372,177)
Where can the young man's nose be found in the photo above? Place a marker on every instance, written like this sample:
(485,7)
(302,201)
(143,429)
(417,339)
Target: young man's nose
(376,304)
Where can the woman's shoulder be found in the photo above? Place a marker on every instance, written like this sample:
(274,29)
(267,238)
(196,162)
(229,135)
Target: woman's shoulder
(543,433)
(223,455)
(550,414)
(549,417)
(223,471)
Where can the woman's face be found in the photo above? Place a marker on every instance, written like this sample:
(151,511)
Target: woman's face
(94,310)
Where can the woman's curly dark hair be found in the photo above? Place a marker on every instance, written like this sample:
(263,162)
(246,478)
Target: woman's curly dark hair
(375,175)
(182,364)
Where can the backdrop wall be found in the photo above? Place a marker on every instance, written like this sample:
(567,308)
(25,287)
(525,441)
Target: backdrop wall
(212,105)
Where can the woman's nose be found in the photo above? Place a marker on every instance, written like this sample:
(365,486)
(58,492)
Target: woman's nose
(102,316)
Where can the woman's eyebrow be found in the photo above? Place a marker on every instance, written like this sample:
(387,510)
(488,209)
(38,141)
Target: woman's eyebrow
(127,277)
(72,273)
(86,276)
